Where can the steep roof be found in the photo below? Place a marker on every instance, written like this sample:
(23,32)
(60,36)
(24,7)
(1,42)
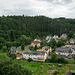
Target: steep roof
(35,53)
(47,47)
(18,55)
(35,42)
(63,50)
(64,34)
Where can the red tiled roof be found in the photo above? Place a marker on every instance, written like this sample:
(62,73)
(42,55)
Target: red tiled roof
(18,55)
(35,42)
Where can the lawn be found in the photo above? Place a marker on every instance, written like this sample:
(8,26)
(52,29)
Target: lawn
(47,69)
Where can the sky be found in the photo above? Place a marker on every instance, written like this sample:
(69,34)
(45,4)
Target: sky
(49,8)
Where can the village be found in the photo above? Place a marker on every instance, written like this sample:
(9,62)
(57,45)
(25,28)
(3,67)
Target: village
(41,53)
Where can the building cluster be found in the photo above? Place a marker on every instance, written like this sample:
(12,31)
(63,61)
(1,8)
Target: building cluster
(39,55)
(66,51)
(42,54)
(56,37)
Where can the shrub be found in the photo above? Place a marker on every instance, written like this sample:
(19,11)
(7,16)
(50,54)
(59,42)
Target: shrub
(56,72)
(29,60)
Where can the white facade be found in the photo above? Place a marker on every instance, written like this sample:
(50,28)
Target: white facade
(27,56)
(72,41)
(73,51)
(19,57)
(66,54)
(55,37)
(48,37)
(37,40)
(33,45)
(64,36)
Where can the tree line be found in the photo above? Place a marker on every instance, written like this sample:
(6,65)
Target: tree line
(13,29)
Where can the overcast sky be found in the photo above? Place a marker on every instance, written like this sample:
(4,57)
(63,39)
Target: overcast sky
(49,8)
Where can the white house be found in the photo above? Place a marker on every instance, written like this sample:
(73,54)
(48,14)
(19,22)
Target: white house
(18,56)
(63,51)
(35,55)
(72,41)
(73,50)
(55,37)
(37,40)
(33,43)
(64,36)
(48,38)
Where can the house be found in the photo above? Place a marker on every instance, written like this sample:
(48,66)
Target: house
(18,56)
(55,37)
(34,43)
(63,51)
(64,36)
(73,50)
(67,46)
(37,40)
(36,56)
(72,41)
(46,49)
(12,50)
(48,38)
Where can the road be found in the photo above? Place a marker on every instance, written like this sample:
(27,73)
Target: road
(27,48)
(19,49)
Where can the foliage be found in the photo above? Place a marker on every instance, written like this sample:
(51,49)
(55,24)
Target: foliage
(4,48)
(29,60)
(22,46)
(52,43)
(54,59)
(19,54)
(13,57)
(60,43)
(62,60)
(74,58)
(9,68)
(35,48)
(17,30)
(56,72)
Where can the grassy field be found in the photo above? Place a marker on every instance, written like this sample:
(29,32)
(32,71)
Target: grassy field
(48,68)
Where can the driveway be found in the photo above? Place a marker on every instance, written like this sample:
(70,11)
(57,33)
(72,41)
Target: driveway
(27,48)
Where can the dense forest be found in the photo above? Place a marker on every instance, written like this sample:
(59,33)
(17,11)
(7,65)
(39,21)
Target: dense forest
(13,28)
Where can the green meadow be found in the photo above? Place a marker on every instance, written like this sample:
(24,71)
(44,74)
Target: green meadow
(48,68)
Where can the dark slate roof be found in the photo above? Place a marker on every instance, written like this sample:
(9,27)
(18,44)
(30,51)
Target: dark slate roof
(63,50)
(26,53)
(47,47)
(35,53)
(39,49)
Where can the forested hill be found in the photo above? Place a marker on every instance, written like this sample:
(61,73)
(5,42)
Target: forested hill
(15,26)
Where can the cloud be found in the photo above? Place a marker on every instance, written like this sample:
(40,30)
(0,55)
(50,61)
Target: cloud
(50,8)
